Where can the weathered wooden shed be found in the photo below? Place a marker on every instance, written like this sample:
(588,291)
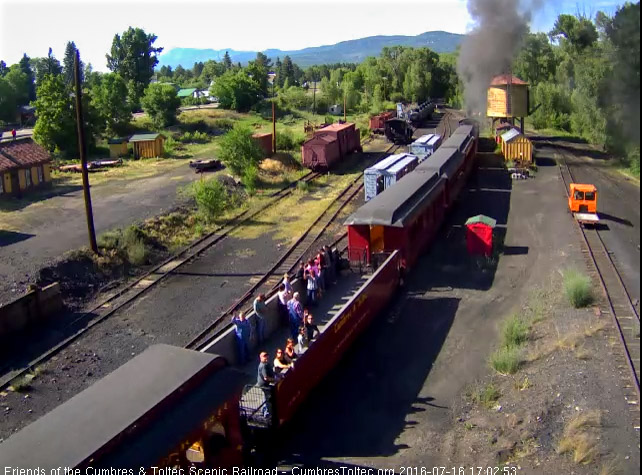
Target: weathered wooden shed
(147,145)
(517,147)
(117,147)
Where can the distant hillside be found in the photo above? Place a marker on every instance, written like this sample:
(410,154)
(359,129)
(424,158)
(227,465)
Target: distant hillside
(353,51)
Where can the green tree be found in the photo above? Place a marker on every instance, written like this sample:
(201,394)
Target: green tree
(239,151)
(8,101)
(161,103)
(55,124)
(236,90)
(574,33)
(68,65)
(134,57)
(624,34)
(20,84)
(25,67)
(108,99)
(535,62)
(227,61)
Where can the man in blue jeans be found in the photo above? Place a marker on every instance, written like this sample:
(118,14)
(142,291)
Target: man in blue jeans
(242,330)
(295,310)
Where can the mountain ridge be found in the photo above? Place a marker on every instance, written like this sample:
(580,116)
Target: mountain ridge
(348,51)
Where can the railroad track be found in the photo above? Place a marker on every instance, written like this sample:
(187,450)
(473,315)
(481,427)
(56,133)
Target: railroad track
(617,301)
(116,301)
(269,282)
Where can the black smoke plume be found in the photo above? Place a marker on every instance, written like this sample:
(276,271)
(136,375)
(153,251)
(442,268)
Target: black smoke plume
(489,50)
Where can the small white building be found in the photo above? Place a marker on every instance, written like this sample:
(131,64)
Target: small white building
(336,109)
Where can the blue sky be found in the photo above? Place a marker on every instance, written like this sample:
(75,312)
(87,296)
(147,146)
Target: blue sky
(32,26)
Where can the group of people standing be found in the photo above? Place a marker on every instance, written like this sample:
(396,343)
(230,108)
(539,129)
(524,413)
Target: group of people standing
(317,274)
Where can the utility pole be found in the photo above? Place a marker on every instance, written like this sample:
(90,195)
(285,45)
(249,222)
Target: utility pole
(82,150)
(273,119)
(344,107)
(314,99)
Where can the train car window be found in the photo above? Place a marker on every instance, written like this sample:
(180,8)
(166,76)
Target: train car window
(579,195)
(380,184)
(590,196)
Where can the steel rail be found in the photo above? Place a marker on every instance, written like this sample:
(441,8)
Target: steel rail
(208,334)
(138,287)
(603,281)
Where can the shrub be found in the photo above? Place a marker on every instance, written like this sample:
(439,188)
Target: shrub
(515,332)
(250,178)
(161,103)
(211,197)
(194,137)
(328,119)
(239,150)
(506,360)
(286,140)
(578,288)
(169,146)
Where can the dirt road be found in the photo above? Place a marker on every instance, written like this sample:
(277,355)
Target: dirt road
(40,232)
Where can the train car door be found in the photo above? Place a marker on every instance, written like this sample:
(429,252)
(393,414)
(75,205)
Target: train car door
(376,239)
(381,186)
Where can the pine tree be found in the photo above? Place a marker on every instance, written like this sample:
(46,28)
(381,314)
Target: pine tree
(68,64)
(25,67)
(227,61)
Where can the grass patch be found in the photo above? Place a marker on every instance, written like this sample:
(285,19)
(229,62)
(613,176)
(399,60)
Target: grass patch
(578,289)
(515,332)
(506,360)
(486,396)
(579,437)
(129,244)
(302,187)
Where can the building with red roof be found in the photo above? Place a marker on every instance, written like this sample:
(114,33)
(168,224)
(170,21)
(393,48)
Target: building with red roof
(24,165)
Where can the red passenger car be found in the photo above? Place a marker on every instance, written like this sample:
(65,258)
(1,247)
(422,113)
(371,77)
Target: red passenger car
(404,217)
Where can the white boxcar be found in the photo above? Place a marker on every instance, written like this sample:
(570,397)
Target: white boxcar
(425,146)
(378,177)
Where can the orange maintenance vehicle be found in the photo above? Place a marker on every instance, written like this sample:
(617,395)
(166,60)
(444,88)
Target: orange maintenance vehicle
(582,201)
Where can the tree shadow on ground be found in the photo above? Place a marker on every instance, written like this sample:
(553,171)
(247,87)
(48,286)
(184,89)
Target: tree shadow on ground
(12,237)
(34,196)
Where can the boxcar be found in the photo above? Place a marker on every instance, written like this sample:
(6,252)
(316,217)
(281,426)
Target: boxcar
(320,152)
(404,217)
(425,146)
(152,411)
(379,177)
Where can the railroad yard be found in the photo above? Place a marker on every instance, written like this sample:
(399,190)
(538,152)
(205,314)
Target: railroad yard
(406,394)
(407,389)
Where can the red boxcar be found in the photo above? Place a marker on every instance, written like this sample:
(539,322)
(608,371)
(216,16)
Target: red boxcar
(320,152)
(265,142)
(345,134)
(378,122)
